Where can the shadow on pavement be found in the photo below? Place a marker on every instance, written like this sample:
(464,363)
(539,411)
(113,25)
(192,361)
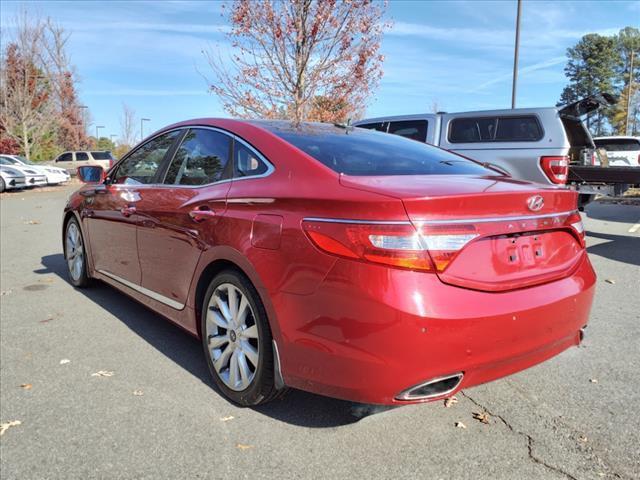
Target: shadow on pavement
(621,248)
(295,407)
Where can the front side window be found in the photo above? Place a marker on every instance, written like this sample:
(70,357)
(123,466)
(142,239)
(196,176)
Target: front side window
(65,157)
(495,129)
(413,129)
(142,165)
(8,161)
(377,126)
(201,158)
(363,152)
(82,156)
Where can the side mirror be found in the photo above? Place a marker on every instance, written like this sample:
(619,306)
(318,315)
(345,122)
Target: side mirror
(91,174)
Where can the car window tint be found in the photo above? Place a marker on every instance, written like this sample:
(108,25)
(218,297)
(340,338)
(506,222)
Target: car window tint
(364,152)
(618,144)
(8,161)
(495,129)
(101,155)
(142,165)
(413,129)
(247,163)
(82,156)
(378,126)
(65,157)
(201,158)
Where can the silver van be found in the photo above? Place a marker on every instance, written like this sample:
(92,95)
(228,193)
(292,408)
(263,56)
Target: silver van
(70,161)
(534,144)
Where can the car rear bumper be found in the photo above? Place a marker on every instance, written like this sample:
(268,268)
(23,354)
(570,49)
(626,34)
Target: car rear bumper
(369,333)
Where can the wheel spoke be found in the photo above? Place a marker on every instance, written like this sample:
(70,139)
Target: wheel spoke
(77,267)
(233,369)
(245,374)
(218,340)
(223,307)
(250,352)
(232,296)
(243,310)
(214,317)
(251,332)
(222,360)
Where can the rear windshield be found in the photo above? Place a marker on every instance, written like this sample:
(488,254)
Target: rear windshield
(361,152)
(618,144)
(102,155)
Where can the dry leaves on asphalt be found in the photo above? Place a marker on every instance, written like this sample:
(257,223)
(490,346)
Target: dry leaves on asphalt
(482,417)
(227,418)
(241,446)
(460,425)
(593,380)
(5,292)
(32,222)
(103,373)
(5,426)
(450,402)
(610,280)
(26,386)
(138,393)
(64,361)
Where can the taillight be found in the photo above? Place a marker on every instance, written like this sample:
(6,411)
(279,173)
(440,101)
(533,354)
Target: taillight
(593,158)
(400,246)
(555,168)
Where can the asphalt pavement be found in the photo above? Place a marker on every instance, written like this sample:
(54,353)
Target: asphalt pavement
(104,388)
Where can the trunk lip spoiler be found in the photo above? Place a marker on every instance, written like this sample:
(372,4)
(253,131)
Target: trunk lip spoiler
(440,222)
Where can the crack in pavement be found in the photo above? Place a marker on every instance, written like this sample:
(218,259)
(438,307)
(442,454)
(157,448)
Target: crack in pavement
(526,435)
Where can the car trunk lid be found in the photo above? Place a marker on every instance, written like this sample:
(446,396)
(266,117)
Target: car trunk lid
(488,233)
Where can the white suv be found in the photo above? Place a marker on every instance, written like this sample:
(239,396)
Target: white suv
(70,161)
(621,151)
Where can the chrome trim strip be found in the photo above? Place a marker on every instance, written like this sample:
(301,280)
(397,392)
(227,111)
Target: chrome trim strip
(406,394)
(346,220)
(494,219)
(145,291)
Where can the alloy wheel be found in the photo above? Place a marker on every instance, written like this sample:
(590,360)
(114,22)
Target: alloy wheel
(75,251)
(232,337)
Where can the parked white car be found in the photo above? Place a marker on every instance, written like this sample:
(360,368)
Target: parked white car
(54,175)
(621,151)
(11,178)
(33,177)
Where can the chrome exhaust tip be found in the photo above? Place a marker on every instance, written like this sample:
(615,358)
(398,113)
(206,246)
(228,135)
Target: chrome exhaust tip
(436,387)
(582,333)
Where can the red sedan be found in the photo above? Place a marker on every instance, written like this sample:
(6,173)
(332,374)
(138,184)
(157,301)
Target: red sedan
(337,260)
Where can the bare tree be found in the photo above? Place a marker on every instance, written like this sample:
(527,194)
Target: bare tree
(300,59)
(128,126)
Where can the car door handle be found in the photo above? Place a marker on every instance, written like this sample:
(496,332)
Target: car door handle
(201,214)
(128,211)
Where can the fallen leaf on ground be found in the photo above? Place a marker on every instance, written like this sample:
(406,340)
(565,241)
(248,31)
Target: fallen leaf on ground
(460,425)
(138,393)
(26,386)
(5,426)
(241,446)
(226,419)
(64,360)
(582,438)
(5,292)
(609,280)
(593,380)
(482,417)
(32,222)
(46,280)
(450,402)
(103,373)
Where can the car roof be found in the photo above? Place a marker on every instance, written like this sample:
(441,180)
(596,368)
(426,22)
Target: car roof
(617,137)
(477,113)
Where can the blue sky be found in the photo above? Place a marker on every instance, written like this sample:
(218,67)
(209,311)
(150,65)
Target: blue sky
(458,54)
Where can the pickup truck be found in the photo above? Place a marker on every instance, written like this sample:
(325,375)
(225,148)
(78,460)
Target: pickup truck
(544,145)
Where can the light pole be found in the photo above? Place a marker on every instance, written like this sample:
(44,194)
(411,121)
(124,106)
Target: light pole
(142,120)
(515,56)
(98,127)
(111,137)
(83,123)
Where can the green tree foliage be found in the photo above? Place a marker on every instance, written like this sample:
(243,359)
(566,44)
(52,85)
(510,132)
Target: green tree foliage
(628,47)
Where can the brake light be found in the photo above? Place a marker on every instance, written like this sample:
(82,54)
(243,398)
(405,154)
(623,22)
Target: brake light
(555,168)
(400,246)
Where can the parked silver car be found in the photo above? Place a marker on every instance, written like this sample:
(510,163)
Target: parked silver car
(11,178)
(33,177)
(534,144)
(70,161)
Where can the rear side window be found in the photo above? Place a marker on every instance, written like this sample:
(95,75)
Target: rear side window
(102,155)
(413,129)
(377,126)
(200,159)
(365,153)
(65,157)
(495,129)
(246,162)
(82,156)
(143,164)
(618,144)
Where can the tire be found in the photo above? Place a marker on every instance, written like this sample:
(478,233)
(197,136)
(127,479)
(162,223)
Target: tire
(584,199)
(2,185)
(254,381)
(75,254)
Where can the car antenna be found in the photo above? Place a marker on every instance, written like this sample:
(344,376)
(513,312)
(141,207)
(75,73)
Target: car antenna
(347,126)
